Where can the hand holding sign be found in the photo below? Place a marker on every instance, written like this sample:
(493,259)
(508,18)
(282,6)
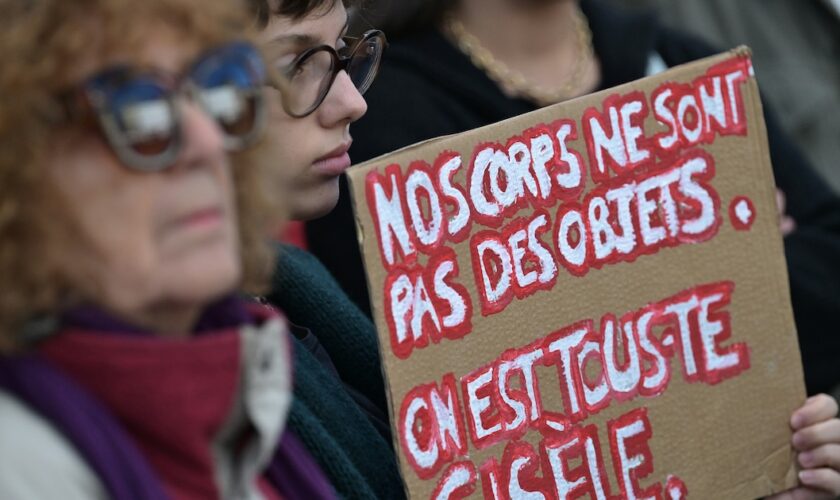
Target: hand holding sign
(817,439)
(590,299)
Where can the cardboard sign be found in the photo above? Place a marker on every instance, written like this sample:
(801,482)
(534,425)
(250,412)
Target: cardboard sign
(590,299)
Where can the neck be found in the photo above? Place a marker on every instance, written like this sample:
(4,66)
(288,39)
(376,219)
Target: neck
(168,320)
(530,29)
(536,49)
(175,322)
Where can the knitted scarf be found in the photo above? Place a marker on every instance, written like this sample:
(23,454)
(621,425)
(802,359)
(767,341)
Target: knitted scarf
(358,460)
(101,439)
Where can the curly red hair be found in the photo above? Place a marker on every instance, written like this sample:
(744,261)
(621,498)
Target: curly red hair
(43,44)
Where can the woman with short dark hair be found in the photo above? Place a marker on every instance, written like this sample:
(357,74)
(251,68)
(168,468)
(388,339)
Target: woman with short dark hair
(319,75)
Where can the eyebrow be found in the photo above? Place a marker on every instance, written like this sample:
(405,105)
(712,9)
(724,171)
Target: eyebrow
(302,39)
(296,39)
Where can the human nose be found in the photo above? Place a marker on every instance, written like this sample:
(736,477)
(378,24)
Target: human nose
(343,103)
(202,138)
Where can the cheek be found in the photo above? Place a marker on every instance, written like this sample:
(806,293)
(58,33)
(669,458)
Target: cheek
(108,245)
(118,240)
(124,252)
(293,144)
(111,207)
(197,265)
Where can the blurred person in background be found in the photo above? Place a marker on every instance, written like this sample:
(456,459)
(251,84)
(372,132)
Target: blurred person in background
(796,50)
(454,65)
(319,73)
(131,366)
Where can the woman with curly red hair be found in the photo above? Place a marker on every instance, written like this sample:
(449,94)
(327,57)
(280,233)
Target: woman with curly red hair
(132,214)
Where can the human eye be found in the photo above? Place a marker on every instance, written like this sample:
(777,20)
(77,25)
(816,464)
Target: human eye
(300,68)
(345,48)
(299,65)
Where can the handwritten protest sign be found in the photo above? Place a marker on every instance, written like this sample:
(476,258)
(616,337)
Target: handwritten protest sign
(590,299)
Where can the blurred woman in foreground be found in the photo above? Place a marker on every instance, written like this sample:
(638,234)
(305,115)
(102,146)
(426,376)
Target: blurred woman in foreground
(131,366)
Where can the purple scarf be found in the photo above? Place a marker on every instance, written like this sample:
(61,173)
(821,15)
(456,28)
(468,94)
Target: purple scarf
(105,445)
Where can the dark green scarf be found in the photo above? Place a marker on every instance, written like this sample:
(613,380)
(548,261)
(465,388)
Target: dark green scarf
(358,460)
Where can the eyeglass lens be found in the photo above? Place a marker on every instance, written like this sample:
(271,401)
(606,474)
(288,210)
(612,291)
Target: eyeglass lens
(364,63)
(141,119)
(228,84)
(143,116)
(309,79)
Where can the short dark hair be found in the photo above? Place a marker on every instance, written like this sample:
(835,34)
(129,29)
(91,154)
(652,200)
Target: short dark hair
(295,9)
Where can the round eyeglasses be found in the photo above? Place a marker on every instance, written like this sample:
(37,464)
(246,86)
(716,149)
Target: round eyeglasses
(306,81)
(139,116)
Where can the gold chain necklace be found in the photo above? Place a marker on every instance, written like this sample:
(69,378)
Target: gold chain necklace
(514,82)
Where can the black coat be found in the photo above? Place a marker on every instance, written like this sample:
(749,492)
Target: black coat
(428,88)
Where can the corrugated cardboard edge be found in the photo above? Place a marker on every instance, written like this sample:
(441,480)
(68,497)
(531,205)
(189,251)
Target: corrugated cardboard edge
(360,239)
(783,283)
(357,173)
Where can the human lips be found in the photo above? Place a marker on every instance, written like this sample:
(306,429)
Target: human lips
(335,162)
(205,218)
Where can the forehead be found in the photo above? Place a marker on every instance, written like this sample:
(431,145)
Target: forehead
(161,47)
(320,26)
(165,49)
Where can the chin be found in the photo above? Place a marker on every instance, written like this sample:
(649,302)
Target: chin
(315,204)
(206,276)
